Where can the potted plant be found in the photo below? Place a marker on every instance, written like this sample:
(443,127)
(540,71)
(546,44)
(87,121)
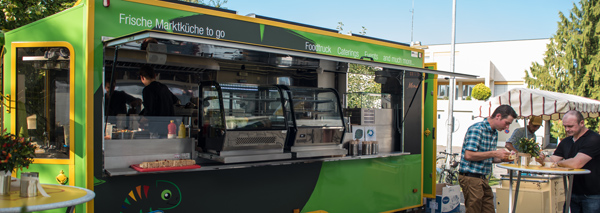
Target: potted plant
(16,153)
(530,148)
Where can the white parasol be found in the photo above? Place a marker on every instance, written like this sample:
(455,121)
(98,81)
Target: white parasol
(532,102)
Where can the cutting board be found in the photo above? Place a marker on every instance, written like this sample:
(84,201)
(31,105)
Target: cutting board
(140,169)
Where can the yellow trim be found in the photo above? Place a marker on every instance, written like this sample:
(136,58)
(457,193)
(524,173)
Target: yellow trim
(51,161)
(77,3)
(434,124)
(405,208)
(463,83)
(176,6)
(430,64)
(13,79)
(89,96)
(434,171)
(509,82)
(471,83)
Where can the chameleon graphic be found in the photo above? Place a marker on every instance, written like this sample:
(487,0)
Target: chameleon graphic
(165,195)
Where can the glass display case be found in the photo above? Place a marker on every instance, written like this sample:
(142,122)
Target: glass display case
(242,122)
(245,122)
(318,124)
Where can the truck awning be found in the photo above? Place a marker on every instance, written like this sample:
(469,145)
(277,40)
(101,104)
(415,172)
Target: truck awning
(113,42)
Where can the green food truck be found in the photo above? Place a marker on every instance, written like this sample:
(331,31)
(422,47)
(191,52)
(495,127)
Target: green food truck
(259,107)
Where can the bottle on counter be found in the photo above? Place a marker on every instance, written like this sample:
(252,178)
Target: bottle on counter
(108,131)
(375,147)
(172,130)
(182,131)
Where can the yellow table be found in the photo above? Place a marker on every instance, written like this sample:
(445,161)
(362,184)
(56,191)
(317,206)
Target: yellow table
(567,177)
(60,197)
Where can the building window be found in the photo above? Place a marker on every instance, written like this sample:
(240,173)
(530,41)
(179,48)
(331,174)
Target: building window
(43,99)
(467,89)
(443,92)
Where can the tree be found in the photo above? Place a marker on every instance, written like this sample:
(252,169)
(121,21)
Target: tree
(361,82)
(481,92)
(17,13)
(571,61)
(572,58)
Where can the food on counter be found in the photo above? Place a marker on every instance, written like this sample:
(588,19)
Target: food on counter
(549,164)
(167,163)
(512,156)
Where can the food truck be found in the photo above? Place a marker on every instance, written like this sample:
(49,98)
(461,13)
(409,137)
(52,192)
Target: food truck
(261,111)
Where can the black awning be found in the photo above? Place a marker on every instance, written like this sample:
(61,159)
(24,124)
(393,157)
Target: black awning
(136,37)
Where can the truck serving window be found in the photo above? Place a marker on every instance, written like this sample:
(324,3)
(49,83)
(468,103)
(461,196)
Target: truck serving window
(43,99)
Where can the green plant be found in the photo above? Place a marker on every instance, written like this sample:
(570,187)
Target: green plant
(558,130)
(493,179)
(468,98)
(529,146)
(16,152)
(481,92)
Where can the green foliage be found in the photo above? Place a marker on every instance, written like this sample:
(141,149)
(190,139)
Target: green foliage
(591,123)
(16,152)
(529,146)
(481,92)
(468,98)
(572,58)
(363,31)
(340,29)
(558,130)
(361,79)
(17,13)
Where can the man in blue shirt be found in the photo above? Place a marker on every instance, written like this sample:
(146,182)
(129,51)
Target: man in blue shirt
(479,151)
(528,132)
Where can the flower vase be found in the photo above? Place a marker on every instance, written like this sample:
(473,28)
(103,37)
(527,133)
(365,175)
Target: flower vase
(523,159)
(5,179)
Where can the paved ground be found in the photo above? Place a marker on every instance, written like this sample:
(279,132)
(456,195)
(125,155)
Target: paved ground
(497,172)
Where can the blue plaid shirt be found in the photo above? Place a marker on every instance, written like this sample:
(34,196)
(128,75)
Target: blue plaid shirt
(480,137)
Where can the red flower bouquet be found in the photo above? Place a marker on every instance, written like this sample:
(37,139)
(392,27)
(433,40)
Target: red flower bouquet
(16,152)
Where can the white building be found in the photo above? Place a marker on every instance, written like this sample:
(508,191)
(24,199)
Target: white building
(500,65)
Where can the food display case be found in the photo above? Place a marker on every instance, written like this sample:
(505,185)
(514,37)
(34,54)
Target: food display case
(318,124)
(242,123)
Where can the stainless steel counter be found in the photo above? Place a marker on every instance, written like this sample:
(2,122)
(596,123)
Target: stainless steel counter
(123,153)
(208,165)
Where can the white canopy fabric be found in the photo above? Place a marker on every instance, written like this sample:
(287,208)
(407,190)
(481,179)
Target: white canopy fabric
(532,102)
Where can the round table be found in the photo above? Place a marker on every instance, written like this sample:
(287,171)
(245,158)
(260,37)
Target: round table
(567,180)
(60,196)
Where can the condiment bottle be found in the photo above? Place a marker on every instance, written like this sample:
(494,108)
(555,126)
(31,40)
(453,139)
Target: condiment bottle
(182,131)
(172,130)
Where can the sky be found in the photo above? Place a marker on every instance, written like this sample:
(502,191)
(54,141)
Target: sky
(476,20)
